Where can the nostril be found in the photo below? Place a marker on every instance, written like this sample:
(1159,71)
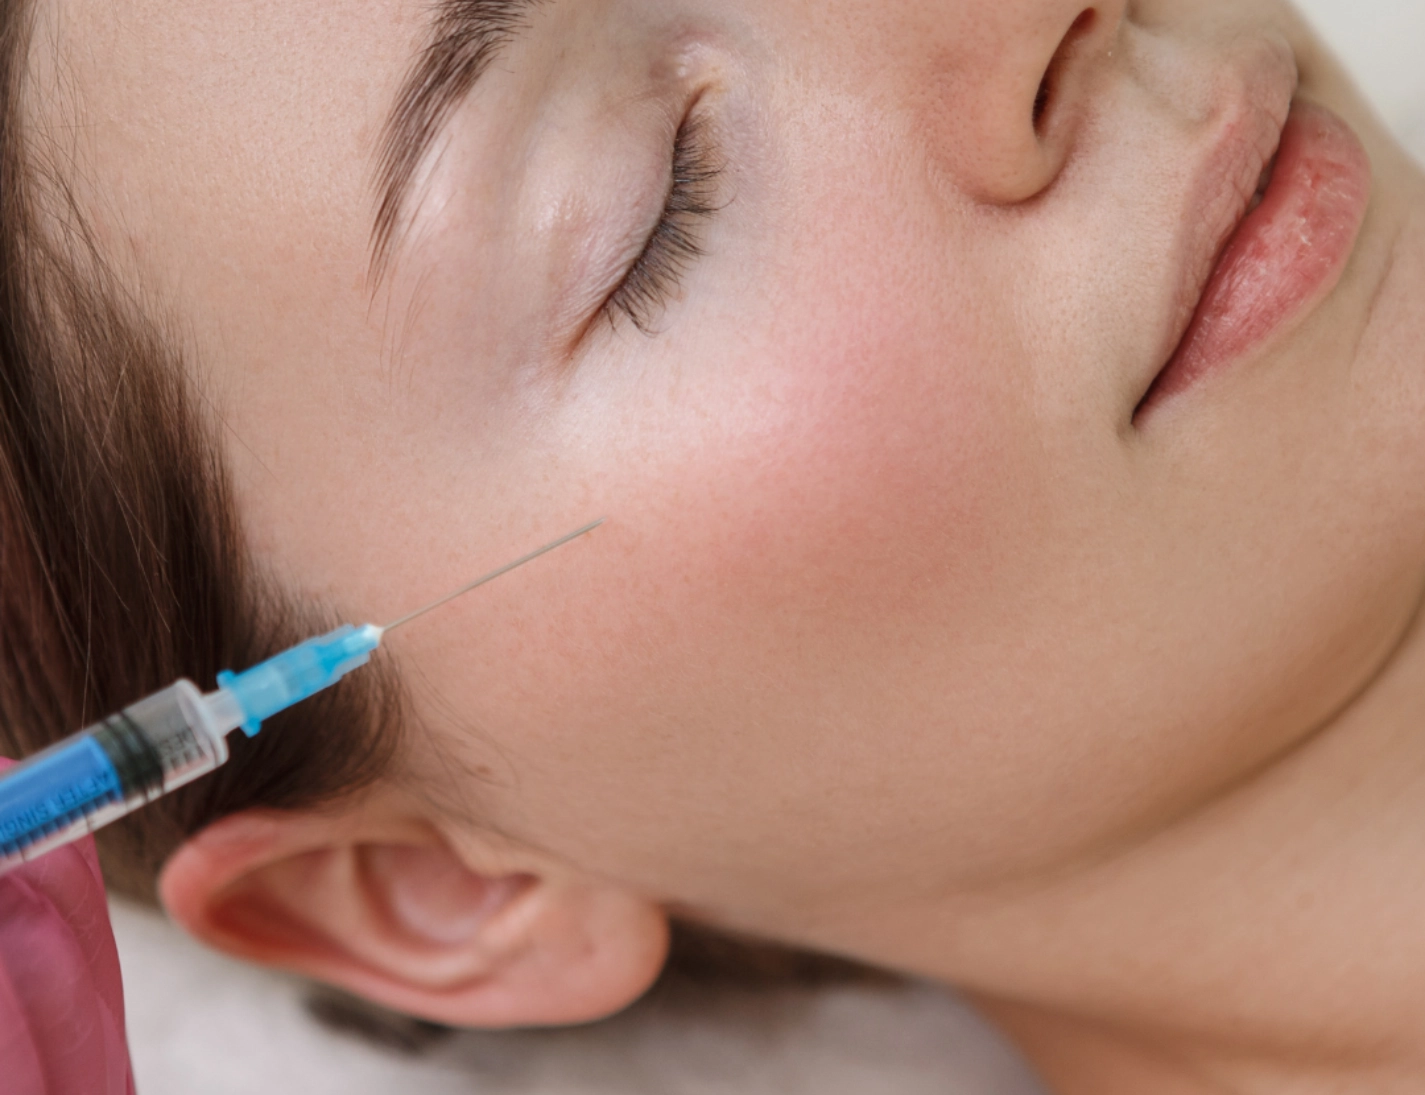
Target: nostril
(1082,25)
(1044,98)
(1041,100)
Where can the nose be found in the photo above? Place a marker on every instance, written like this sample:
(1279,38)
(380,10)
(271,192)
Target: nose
(1014,91)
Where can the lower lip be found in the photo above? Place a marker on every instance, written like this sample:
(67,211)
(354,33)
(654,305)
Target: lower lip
(1288,253)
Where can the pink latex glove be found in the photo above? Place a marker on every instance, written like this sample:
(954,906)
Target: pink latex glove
(61,999)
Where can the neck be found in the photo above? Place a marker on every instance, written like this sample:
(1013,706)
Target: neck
(1269,942)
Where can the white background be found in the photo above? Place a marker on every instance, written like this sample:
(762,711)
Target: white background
(1383,42)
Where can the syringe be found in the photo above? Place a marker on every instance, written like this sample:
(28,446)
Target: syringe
(175,736)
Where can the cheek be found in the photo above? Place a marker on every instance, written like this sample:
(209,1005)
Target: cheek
(834,459)
(798,515)
(829,444)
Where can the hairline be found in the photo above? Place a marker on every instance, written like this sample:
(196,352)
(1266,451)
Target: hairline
(135,533)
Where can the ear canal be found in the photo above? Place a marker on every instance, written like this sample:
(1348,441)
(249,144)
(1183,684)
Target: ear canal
(430,894)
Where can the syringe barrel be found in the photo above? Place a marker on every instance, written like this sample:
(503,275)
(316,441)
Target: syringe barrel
(111,769)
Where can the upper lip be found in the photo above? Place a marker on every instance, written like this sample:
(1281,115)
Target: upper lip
(1246,135)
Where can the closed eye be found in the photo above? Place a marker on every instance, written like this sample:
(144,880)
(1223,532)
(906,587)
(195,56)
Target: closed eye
(676,241)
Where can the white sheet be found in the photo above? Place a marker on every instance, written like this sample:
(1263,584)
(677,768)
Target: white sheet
(201,1024)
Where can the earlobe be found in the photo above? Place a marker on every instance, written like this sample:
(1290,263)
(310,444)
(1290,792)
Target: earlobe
(404,922)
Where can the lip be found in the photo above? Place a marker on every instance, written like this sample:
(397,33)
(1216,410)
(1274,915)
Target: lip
(1272,262)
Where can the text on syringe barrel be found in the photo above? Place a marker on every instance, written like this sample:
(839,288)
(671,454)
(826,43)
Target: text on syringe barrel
(105,772)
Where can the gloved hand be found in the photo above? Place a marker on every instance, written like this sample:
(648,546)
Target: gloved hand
(61,999)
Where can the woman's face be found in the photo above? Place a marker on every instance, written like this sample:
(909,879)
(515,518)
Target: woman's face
(904,588)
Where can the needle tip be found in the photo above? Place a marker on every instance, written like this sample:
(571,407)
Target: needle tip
(533,555)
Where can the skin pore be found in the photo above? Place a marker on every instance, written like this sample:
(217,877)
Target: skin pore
(906,639)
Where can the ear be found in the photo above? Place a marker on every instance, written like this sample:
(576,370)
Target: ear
(400,919)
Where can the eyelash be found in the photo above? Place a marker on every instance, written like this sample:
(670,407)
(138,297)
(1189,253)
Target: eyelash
(675,243)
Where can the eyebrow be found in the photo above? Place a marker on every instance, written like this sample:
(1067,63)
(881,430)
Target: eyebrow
(466,37)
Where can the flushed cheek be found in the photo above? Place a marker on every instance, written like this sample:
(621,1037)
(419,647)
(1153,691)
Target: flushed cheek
(858,448)
(791,526)
(836,435)
(871,463)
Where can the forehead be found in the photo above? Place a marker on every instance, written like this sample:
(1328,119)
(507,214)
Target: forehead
(242,58)
(222,156)
(183,122)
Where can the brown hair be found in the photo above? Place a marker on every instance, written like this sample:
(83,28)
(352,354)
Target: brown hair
(122,565)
